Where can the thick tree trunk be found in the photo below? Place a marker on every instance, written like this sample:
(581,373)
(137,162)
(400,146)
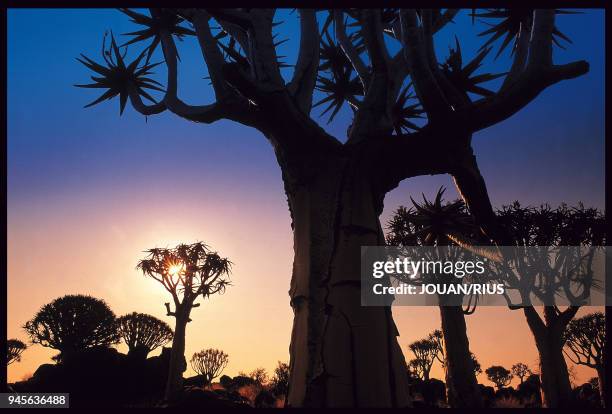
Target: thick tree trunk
(601,376)
(342,353)
(461,384)
(174,384)
(556,386)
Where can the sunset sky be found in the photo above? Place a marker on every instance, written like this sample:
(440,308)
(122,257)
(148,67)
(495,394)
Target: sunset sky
(88,190)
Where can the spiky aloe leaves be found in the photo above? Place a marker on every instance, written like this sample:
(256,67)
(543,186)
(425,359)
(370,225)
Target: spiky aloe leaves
(462,76)
(437,222)
(402,113)
(117,77)
(342,84)
(510,26)
(162,19)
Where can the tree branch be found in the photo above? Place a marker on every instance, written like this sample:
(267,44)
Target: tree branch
(211,53)
(304,79)
(373,117)
(523,86)
(349,49)
(203,113)
(414,47)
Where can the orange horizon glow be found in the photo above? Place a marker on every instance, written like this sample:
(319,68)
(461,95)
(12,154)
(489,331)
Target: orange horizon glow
(251,322)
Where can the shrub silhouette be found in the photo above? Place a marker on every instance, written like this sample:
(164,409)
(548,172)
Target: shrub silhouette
(280,381)
(73,323)
(585,340)
(143,333)
(499,376)
(14,349)
(260,376)
(209,363)
(187,272)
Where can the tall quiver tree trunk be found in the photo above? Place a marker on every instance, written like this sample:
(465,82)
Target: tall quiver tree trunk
(342,354)
(556,386)
(461,385)
(174,384)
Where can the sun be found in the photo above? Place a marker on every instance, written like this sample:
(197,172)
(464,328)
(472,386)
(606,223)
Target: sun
(175,269)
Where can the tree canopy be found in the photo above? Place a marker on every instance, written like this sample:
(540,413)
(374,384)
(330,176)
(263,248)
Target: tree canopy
(73,323)
(143,333)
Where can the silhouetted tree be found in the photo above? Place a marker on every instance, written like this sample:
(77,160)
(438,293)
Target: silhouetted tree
(73,323)
(209,363)
(475,364)
(14,349)
(443,224)
(335,188)
(143,333)
(415,368)
(425,352)
(585,341)
(280,380)
(499,376)
(187,272)
(259,375)
(546,228)
(521,371)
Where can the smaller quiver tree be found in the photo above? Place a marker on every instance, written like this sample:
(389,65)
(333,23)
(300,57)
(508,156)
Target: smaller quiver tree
(187,272)
(209,363)
(585,341)
(143,333)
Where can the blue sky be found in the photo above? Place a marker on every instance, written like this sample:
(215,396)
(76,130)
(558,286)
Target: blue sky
(54,146)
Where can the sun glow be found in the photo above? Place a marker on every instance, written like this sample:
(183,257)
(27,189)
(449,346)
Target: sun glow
(175,269)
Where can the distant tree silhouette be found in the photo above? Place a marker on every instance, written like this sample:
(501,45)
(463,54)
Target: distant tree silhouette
(73,323)
(415,368)
(143,333)
(425,352)
(544,226)
(335,185)
(434,223)
(259,375)
(187,272)
(521,371)
(14,349)
(280,380)
(209,363)
(476,364)
(585,341)
(499,376)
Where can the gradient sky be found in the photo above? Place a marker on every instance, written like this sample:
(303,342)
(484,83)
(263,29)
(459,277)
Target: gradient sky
(88,190)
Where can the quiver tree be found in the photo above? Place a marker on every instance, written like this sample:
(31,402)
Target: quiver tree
(343,354)
(425,353)
(560,269)
(499,376)
(435,223)
(521,371)
(209,363)
(14,349)
(585,340)
(73,323)
(187,272)
(143,333)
